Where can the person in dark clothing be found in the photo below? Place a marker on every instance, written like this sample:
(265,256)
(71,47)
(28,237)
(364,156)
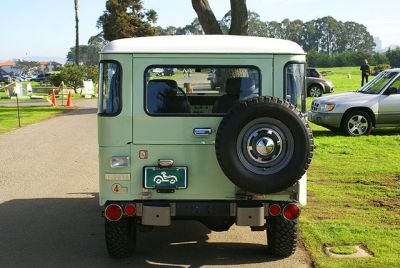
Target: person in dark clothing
(365,71)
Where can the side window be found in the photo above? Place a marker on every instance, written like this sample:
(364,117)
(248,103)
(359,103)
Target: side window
(295,84)
(110,81)
(198,90)
(395,87)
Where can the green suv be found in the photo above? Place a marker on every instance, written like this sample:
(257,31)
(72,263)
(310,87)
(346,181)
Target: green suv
(175,148)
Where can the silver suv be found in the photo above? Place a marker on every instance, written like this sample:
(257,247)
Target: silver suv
(377,104)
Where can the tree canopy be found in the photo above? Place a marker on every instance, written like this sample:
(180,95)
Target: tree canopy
(126,18)
(325,35)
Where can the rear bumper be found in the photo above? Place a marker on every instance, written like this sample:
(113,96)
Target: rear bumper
(160,213)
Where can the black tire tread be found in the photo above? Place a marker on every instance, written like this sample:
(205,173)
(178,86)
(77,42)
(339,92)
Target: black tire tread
(120,238)
(282,236)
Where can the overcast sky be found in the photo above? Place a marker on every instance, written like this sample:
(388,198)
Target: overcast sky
(47,27)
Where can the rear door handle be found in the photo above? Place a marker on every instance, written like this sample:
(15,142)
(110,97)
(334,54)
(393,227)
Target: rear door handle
(202,132)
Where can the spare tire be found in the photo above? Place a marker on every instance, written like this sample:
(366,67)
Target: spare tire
(263,145)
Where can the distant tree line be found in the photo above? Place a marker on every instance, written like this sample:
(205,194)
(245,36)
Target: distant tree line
(390,58)
(328,42)
(324,35)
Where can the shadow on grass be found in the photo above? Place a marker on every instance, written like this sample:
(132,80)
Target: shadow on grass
(375,132)
(69,232)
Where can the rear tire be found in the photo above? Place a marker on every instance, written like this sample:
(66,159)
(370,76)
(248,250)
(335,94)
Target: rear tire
(314,91)
(282,236)
(120,237)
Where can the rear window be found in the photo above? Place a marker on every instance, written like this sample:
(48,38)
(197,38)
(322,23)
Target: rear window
(198,90)
(110,88)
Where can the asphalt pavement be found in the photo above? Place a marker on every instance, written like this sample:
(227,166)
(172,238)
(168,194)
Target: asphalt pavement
(50,215)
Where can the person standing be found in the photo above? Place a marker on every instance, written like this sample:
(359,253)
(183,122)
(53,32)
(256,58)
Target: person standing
(365,71)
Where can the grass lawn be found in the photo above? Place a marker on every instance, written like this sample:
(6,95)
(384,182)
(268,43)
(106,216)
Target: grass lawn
(353,190)
(339,77)
(29,115)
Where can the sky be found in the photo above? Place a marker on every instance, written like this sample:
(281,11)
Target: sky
(46,28)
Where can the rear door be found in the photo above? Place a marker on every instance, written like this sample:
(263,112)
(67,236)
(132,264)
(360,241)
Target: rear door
(176,115)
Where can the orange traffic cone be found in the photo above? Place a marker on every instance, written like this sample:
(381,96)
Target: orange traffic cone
(53,99)
(69,100)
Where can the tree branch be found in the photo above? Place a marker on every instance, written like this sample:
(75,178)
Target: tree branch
(206,17)
(239,23)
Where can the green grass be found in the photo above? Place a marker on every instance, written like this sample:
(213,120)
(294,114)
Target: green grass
(29,115)
(353,190)
(339,77)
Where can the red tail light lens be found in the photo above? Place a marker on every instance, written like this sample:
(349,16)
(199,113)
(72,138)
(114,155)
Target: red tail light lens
(130,210)
(274,210)
(291,212)
(113,212)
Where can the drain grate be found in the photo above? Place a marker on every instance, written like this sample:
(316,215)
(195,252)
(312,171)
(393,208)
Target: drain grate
(360,251)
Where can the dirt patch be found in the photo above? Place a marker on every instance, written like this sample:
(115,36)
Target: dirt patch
(391,203)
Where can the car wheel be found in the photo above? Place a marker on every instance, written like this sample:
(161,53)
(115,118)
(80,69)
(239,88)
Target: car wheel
(263,145)
(314,91)
(120,237)
(357,123)
(282,236)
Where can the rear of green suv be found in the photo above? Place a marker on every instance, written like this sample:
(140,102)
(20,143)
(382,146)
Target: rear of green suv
(182,147)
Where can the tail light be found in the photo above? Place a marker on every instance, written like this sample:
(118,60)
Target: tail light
(291,211)
(274,210)
(113,212)
(130,210)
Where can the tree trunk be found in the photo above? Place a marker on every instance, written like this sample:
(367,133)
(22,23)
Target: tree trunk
(206,17)
(239,17)
(76,33)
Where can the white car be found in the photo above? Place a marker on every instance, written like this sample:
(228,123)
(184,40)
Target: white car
(377,104)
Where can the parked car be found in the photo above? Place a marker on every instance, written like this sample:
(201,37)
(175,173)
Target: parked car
(41,78)
(5,78)
(375,105)
(317,84)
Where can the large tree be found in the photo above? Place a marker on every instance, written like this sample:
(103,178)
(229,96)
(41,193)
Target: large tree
(127,18)
(210,24)
(89,55)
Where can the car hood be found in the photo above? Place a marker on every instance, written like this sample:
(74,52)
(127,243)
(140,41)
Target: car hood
(350,97)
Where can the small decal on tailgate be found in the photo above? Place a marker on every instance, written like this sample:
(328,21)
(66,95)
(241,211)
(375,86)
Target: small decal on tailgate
(118,177)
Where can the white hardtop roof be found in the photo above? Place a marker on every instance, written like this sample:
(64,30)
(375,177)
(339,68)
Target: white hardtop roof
(203,44)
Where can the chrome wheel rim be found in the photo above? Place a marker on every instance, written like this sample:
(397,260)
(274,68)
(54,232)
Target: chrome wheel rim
(265,146)
(357,125)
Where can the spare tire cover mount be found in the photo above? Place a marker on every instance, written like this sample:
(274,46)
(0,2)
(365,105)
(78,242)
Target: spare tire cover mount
(265,146)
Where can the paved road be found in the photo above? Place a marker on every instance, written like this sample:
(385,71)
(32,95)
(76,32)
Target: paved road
(50,215)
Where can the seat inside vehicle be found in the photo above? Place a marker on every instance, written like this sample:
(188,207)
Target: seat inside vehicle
(162,97)
(236,88)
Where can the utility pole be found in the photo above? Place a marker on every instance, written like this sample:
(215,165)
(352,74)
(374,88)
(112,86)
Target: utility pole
(76,33)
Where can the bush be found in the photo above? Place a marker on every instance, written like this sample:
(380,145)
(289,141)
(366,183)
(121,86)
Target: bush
(73,76)
(379,68)
(344,59)
(56,79)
